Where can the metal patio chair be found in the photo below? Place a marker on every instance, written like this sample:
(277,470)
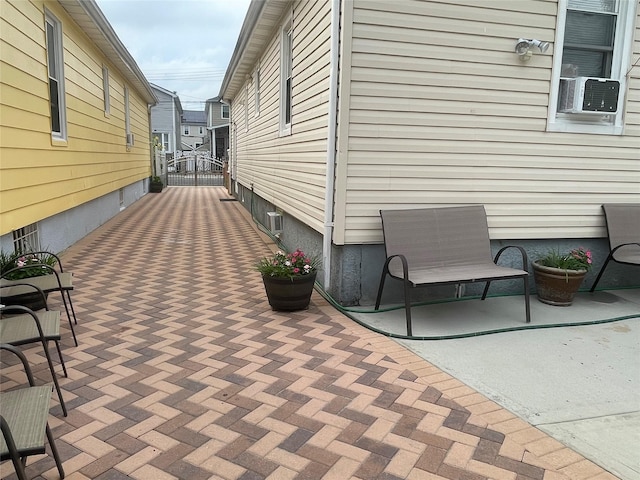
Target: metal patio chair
(24,326)
(623,230)
(56,280)
(23,421)
(439,246)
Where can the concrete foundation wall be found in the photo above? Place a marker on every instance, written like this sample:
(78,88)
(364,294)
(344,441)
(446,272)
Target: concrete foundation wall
(60,231)
(356,269)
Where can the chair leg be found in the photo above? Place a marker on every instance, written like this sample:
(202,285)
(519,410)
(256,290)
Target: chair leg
(379,297)
(17,461)
(407,306)
(486,290)
(54,452)
(73,312)
(66,307)
(606,262)
(527,304)
(64,367)
(55,378)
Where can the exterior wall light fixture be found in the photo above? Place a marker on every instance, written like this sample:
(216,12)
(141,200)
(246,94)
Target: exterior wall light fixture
(524,46)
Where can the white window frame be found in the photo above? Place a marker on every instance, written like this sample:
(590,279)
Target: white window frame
(55,74)
(222,108)
(186,130)
(127,117)
(26,239)
(163,141)
(246,107)
(256,83)
(286,77)
(594,123)
(105,90)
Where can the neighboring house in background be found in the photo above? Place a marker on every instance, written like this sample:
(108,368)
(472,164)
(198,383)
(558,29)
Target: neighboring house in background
(340,109)
(166,118)
(75,134)
(217,113)
(193,129)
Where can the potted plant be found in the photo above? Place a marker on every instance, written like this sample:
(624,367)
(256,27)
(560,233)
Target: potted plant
(22,266)
(288,279)
(156,185)
(559,276)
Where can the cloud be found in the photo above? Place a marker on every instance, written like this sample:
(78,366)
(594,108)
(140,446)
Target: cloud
(181,45)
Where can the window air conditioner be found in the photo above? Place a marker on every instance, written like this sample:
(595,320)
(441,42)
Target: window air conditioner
(588,95)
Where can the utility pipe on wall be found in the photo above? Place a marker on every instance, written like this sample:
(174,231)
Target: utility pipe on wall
(331,144)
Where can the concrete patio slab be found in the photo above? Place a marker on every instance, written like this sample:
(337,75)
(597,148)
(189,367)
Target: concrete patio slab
(580,384)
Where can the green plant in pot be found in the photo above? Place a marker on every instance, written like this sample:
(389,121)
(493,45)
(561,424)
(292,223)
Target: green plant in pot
(288,279)
(156,184)
(558,276)
(18,266)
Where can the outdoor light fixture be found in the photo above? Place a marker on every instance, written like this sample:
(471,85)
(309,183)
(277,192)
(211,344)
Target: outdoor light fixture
(523,47)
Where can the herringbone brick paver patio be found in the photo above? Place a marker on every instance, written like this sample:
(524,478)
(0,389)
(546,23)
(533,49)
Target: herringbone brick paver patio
(184,372)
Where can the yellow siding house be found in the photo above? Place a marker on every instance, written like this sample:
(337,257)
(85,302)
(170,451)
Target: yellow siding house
(340,108)
(74,123)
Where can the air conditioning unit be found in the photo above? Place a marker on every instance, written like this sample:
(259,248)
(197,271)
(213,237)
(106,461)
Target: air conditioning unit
(588,95)
(130,139)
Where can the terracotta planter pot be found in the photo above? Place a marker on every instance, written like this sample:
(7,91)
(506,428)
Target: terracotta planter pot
(556,286)
(289,294)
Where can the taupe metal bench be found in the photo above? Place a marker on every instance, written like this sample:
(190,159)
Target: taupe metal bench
(438,246)
(623,229)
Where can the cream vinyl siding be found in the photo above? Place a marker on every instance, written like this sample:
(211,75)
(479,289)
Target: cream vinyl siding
(289,171)
(442,112)
(38,178)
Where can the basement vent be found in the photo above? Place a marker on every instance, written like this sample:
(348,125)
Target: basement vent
(275,222)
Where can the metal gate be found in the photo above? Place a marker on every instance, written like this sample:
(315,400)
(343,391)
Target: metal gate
(193,170)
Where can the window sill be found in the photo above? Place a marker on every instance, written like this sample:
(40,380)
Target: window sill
(285,132)
(584,127)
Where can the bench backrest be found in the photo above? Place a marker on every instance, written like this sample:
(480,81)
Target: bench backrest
(623,226)
(436,237)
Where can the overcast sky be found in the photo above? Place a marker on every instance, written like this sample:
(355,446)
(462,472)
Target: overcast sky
(180,45)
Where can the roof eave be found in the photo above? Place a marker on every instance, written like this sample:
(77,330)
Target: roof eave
(264,15)
(85,12)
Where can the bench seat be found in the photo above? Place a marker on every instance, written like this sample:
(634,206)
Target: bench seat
(446,245)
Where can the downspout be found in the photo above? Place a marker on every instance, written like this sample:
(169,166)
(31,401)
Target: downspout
(174,113)
(331,144)
(152,152)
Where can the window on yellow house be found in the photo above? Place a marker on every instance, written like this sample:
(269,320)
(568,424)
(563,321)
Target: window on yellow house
(105,90)
(55,69)
(26,239)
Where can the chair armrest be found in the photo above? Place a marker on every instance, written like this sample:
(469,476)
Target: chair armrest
(51,254)
(23,359)
(405,264)
(49,268)
(25,284)
(523,253)
(624,245)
